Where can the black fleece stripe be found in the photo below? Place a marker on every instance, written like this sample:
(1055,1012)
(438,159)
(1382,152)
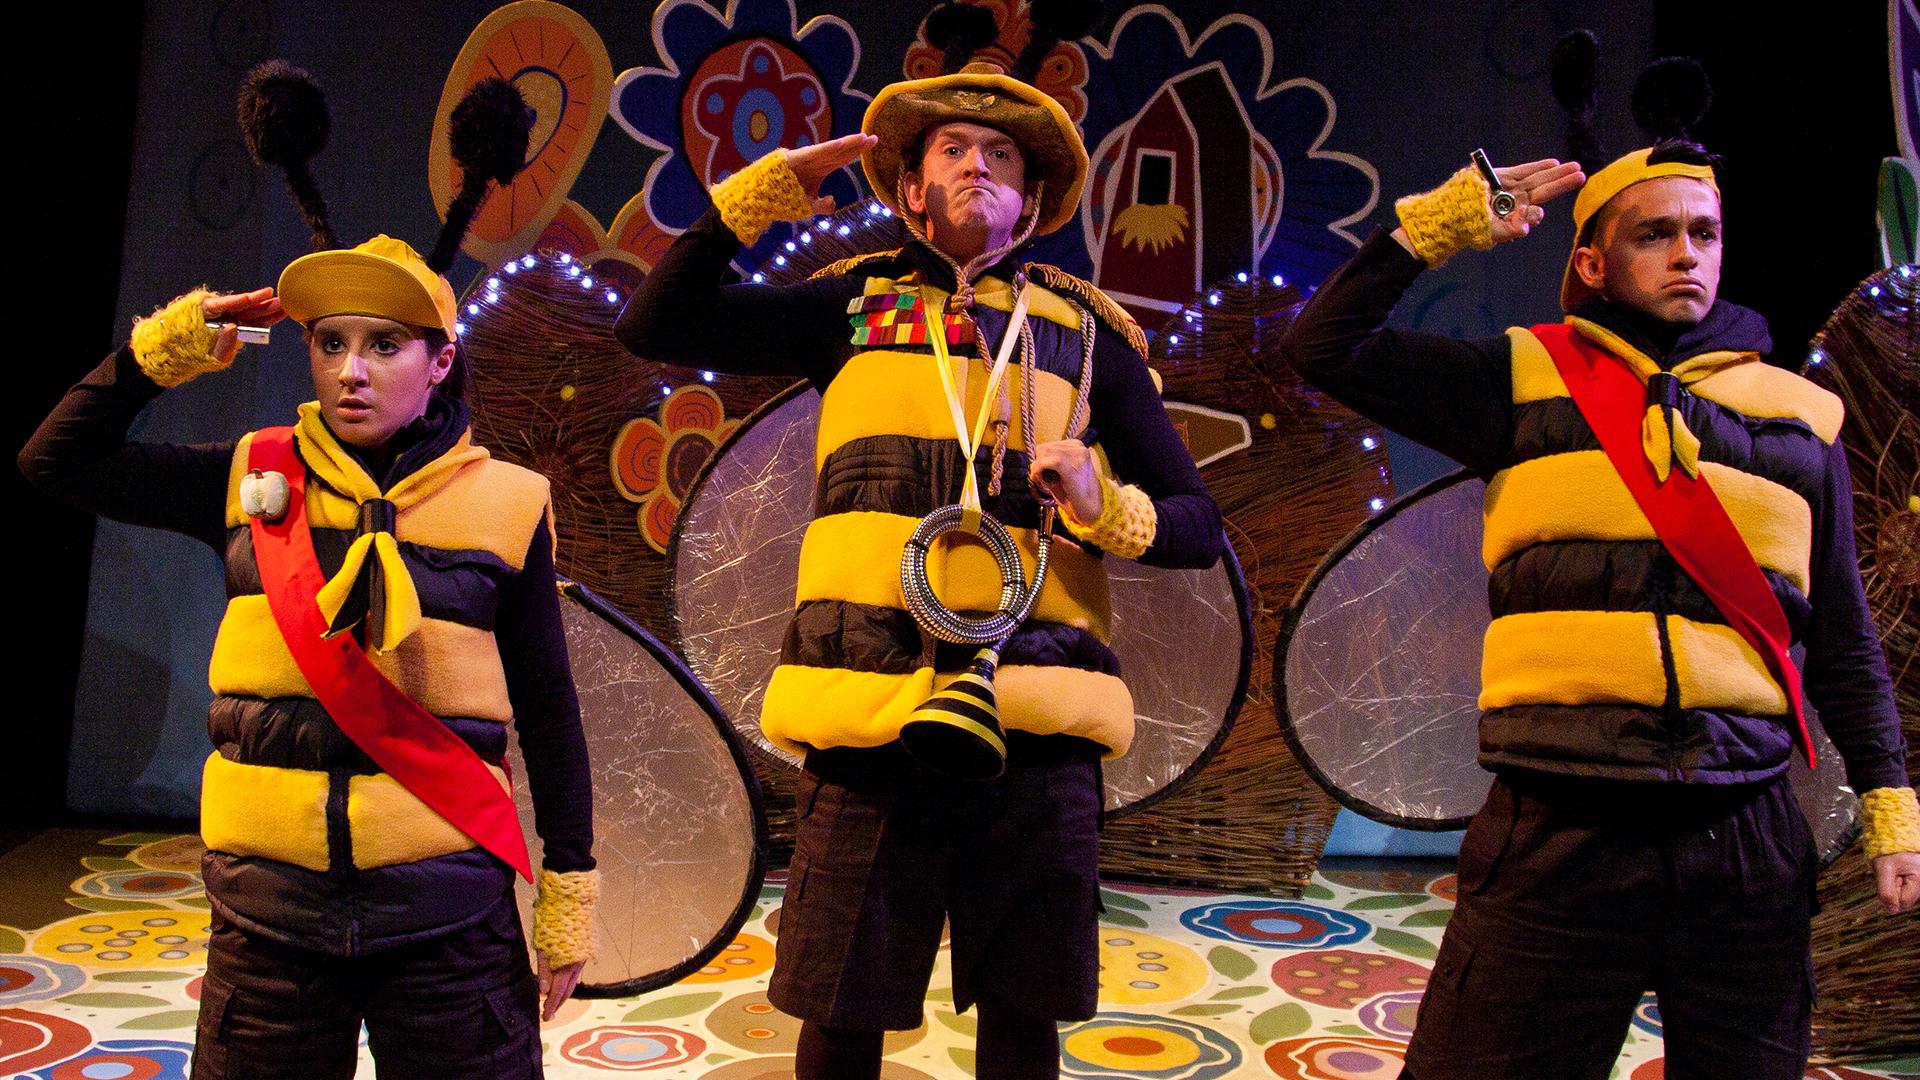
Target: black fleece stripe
(886,641)
(454,586)
(912,477)
(1782,450)
(1601,575)
(297,733)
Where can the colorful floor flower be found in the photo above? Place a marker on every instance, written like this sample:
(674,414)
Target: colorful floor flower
(752,1024)
(654,462)
(1391,1015)
(736,86)
(1446,888)
(181,853)
(1138,968)
(29,1040)
(631,1048)
(140,885)
(1336,1057)
(124,1059)
(744,957)
(1646,1015)
(140,938)
(1280,924)
(29,978)
(1126,1046)
(1341,978)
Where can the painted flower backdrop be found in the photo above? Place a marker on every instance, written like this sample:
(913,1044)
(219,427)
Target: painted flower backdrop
(737,85)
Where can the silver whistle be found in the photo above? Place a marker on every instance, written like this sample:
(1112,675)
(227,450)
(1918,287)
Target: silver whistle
(1503,200)
(251,335)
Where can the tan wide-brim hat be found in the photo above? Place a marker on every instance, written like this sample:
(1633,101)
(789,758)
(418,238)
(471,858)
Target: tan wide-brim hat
(383,277)
(1054,152)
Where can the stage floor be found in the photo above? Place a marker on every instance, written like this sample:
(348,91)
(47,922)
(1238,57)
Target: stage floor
(102,945)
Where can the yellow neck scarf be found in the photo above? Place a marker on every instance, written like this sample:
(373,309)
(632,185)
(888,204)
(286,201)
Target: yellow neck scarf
(392,610)
(1664,435)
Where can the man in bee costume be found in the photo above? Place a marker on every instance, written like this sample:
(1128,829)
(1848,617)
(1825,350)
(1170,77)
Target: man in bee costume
(1666,515)
(391,609)
(913,417)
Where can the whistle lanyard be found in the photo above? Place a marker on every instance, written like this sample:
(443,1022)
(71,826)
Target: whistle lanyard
(970,436)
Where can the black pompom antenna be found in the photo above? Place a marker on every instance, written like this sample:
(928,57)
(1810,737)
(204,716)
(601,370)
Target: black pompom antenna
(1571,74)
(283,117)
(488,139)
(1054,21)
(959,30)
(1670,97)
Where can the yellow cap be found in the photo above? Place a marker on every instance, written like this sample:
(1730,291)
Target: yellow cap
(383,277)
(1599,190)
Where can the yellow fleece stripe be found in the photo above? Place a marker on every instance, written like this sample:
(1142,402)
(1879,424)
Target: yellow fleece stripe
(1717,669)
(257,810)
(881,392)
(1535,378)
(1579,496)
(236,469)
(822,707)
(388,824)
(1572,658)
(1762,390)
(449,668)
(855,557)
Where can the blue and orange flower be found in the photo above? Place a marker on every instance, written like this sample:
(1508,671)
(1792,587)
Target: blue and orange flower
(631,1047)
(1125,1046)
(1278,924)
(735,86)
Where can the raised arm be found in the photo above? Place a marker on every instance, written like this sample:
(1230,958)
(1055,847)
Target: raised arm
(692,311)
(1455,396)
(80,454)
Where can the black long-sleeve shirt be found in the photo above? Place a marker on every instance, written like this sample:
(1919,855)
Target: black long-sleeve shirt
(81,456)
(689,311)
(1456,396)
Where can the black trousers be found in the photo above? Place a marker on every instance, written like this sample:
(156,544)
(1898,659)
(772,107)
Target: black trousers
(462,1005)
(887,850)
(1577,899)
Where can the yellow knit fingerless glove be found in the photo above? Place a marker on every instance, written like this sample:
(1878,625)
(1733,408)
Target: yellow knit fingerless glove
(173,344)
(1453,216)
(759,195)
(1890,821)
(563,915)
(1126,524)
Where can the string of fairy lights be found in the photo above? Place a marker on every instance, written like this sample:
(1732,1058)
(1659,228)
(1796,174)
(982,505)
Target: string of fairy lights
(485,294)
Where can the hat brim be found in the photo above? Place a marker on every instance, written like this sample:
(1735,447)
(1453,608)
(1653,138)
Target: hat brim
(1049,142)
(347,282)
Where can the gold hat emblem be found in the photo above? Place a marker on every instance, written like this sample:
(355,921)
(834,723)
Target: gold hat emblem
(973,100)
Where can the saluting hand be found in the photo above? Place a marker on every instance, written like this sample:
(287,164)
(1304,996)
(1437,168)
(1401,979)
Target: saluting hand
(257,308)
(1533,185)
(813,164)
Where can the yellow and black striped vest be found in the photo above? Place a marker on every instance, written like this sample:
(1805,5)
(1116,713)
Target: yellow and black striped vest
(284,782)
(1602,656)
(854,664)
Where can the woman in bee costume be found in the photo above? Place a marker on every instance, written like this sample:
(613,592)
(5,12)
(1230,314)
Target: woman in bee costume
(391,609)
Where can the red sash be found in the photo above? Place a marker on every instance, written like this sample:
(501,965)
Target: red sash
(407,741)
(1685,513)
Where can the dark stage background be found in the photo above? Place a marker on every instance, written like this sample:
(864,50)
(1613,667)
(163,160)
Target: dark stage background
(142,190)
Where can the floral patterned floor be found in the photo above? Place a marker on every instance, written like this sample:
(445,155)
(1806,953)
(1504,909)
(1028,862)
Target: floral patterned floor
(102,938)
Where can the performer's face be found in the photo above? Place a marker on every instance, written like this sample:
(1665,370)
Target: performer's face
(1657,248)
(971,187)
(373,376)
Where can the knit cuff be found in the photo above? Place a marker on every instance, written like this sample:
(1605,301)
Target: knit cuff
(1126,524)
(563,916)
(174,344)
(1890,819)
(759,195)
(1453,216)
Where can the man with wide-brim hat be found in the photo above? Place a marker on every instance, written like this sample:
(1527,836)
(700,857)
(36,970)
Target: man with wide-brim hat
(900,344)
